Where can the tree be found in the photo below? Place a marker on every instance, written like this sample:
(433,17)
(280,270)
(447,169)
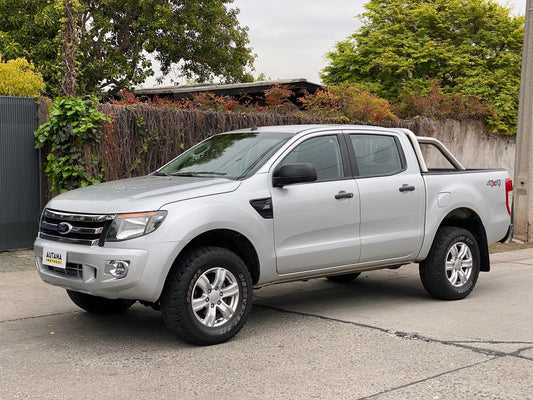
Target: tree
(470,47)
(118,40)
(19,78)
(30,29)
(68,52)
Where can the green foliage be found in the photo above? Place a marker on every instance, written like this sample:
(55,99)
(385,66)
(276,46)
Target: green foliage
(471,47)
(19,78)
(347,102)
(72,123)
(31,29)
(147,139)
(433,103)
(118,39)
(344,102)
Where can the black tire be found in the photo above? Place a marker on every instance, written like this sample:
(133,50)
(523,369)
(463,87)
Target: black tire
(202,276)
(458,248)
(344,278)
(99,305)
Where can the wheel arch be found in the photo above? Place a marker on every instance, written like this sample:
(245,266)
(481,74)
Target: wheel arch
(228,239)
(468,219)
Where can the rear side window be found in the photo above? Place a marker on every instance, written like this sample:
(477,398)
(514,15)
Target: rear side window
(376,155)
(323,152)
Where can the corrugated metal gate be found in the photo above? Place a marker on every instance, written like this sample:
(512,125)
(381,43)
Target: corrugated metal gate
(19,173)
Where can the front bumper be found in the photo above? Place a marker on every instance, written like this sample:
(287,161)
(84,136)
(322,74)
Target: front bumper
(86,273)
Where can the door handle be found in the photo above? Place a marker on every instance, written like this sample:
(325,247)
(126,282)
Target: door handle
(343,195)
(406,188)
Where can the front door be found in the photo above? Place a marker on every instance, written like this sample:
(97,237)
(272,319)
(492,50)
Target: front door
(316,224)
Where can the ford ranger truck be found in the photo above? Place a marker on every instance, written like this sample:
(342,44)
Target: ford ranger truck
(259,206)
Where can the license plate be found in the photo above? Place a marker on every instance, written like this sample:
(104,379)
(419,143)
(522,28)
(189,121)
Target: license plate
(55,257)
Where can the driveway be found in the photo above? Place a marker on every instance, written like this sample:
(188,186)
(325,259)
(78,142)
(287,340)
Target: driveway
(379,337)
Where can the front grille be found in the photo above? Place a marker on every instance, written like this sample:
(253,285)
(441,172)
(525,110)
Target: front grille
(84,229)
(72,269)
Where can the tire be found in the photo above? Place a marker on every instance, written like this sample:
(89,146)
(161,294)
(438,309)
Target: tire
(207,296)
(99,305)
(451,268)
(345,278)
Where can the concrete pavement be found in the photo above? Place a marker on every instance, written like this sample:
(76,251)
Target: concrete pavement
(16,260)
(379,337)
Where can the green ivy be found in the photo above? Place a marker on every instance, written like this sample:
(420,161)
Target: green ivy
(72,123)
(146,138)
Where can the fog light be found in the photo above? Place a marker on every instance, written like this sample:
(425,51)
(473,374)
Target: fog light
(118,268)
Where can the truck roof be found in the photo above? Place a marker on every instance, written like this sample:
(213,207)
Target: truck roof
(292,130)
(295,129)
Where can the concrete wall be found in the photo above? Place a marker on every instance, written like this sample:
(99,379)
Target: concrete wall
(469,141)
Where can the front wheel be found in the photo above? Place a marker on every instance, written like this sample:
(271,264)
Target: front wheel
(451,268)
(207,296)
(99,305)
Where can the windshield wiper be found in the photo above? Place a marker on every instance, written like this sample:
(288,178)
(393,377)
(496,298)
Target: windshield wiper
(188,174)
(157,173)
(210,173)
(198,173)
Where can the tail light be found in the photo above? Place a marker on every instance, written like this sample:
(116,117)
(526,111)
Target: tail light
(508,193)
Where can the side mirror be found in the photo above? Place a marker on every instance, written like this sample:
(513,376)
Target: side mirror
(294,173)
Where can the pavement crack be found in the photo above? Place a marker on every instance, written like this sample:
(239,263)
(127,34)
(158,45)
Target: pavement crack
(487,352)
(519,262)
(407,335)
(519,351)
(37,316)
(414,336)
(427,379)
(493,341)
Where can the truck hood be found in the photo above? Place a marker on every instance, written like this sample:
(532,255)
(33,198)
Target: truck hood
(144,193)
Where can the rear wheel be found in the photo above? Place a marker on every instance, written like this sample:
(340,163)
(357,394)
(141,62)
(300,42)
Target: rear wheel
(345,278)
(208,296)
(451,268)
(99,305)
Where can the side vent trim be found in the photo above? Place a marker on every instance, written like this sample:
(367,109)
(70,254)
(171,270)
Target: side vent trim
(263,207)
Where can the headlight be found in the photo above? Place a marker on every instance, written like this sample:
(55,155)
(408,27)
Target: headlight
(132,225)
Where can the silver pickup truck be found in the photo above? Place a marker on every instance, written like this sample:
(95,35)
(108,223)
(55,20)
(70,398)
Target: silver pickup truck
(258,206)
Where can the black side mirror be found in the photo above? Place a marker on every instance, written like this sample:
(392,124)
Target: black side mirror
(294,173)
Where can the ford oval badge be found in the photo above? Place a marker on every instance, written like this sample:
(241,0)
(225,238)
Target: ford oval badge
(64,228)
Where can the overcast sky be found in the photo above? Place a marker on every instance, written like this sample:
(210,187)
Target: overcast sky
(291,37)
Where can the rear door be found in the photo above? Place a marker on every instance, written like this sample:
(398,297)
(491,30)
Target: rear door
(316,224)
(392,196)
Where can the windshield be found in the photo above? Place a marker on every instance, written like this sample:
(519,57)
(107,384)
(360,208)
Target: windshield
(232,156)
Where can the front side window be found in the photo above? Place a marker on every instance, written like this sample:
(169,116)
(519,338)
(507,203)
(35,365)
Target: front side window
(376,155)
(323,153)
(232,156)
